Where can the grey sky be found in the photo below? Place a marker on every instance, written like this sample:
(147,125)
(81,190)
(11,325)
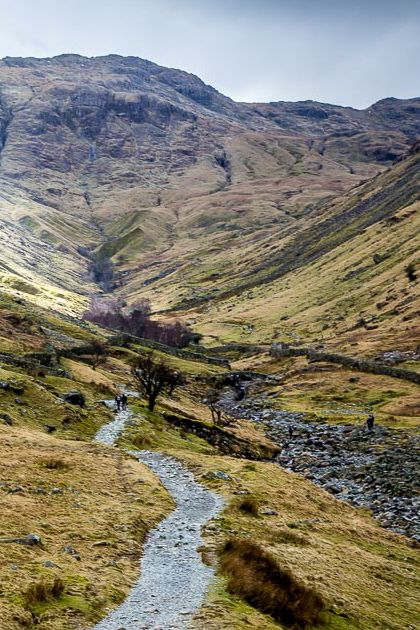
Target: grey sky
(350,52)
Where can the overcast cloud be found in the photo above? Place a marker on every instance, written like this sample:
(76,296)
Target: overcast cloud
(350,52)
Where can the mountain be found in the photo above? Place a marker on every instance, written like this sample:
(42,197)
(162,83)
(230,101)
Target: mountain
(118,158)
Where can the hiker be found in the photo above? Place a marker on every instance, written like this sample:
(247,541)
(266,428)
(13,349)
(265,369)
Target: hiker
(370,422)
(240,393)
(290,431)
(124,401)
(118,402)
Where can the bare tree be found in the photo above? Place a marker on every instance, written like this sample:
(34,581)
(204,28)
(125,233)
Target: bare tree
(97,353)
(212,400)
(177,380)
(153,377)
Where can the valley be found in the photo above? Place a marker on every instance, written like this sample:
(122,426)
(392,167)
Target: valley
(285,237)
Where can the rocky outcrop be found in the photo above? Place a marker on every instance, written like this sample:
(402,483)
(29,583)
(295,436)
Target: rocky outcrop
(75,398)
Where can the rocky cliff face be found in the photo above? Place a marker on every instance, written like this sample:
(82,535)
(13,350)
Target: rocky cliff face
(72,127)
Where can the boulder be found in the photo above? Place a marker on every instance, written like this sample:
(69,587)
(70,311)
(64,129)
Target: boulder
(6,419)
(75,398)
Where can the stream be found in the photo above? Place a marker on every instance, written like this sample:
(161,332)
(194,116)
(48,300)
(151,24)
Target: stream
(173,579)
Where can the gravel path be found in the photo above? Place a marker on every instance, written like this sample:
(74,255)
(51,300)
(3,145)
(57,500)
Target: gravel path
(173,578)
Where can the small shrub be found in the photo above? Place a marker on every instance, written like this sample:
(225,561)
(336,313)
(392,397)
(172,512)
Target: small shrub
(410,272)
(249,505)
(42,591)
(256,577)
(53,463)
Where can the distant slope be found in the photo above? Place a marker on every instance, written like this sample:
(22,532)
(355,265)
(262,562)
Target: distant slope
(342,279)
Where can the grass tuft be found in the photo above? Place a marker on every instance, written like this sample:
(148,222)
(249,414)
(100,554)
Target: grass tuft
(249,505)
(42,591)
(54,463)
(256,577)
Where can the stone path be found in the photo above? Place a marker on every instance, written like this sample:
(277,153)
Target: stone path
(173,578)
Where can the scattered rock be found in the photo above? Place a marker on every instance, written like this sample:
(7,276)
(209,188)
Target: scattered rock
(30,540)
(267,511)
(377,470)
(75,398)
(71,551)
(48,564)
(8,420)
(218,474)
(13,386)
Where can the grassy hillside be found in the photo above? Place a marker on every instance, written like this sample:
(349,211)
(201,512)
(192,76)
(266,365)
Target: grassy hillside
(91,535)
(254,224)
(342,280)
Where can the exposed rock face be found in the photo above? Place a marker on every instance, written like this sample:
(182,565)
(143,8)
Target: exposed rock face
(320,118)
(75,398)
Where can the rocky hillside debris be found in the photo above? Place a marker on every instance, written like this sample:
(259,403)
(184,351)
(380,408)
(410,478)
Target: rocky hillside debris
(17,387)
(393,357)
(377,470)
(223,439)
(70,550)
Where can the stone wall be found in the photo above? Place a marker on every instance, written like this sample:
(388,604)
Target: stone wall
(225,441)
(362,365)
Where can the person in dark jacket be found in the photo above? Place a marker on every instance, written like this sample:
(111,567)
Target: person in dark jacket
(370,422)
(124,401)
(118,402)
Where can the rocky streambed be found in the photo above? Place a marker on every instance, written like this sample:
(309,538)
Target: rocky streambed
(173,579)
(378,470)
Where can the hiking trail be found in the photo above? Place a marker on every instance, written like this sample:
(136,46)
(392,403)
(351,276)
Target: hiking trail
(173,579)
